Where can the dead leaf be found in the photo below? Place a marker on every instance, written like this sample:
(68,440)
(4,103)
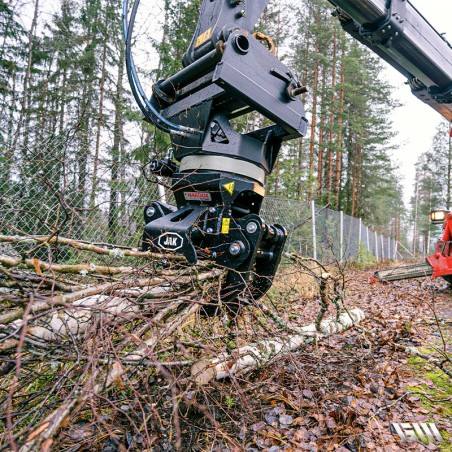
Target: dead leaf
(46,445)
(202,372)
(37,267)
(308,393)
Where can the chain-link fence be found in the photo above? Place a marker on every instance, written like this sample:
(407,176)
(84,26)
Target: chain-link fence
(328,235)
(44,197)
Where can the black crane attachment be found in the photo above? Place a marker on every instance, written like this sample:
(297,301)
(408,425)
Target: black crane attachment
(218,181)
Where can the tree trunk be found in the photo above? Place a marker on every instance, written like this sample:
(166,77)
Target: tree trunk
(321,135)
(115,151)
(299,167)
(338,163)
(252,356)
(100,116)
(27,75)
(314,106)
(331,146)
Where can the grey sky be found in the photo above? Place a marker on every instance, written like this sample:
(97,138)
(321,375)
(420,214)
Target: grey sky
(415,122)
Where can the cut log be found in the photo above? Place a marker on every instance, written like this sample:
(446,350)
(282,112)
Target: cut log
(252,356)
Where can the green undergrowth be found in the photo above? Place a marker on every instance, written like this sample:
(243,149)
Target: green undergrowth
(365,258)
(433,397)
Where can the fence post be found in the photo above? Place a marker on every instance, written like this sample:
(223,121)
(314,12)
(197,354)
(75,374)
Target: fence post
(368,243)
(382,247)
(341,248)
(314,237)
(376,245)
(359,239)
(389,247)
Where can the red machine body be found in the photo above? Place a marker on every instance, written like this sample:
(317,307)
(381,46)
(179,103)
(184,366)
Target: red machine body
(441,261)
(436,265)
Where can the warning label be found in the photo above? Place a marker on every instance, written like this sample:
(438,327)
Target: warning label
(229,187)
(225,225)
(203,37)
(197,196)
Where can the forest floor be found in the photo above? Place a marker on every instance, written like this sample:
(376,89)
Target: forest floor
(339,394)
(344,393)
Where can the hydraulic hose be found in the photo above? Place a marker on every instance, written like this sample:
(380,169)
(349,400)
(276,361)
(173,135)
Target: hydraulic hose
(145,106)
(131,70)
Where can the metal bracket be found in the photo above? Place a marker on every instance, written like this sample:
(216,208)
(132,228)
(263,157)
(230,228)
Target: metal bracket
(384,32)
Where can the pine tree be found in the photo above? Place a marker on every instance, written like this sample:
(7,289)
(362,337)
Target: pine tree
(431,187)
(11,67)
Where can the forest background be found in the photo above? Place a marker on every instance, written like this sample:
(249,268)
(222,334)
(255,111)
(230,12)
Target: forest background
(66,113)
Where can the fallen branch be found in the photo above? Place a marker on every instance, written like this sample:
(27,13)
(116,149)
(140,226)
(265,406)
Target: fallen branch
(84,246)
(76,318)
(42,435)
(252,356)
(41,281)
(135,284)
(39,265)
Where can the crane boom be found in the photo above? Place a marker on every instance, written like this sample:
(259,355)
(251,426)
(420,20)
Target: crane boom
(397,32)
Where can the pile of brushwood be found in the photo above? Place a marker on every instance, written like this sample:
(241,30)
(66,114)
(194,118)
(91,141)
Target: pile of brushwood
(125,350)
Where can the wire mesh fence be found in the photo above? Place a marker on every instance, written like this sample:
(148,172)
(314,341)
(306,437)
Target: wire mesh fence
(329,235)
(59,197)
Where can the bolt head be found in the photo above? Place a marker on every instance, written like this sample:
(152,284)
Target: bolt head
(251,227)
(209,230)
(150,211)
(212,209)
(235,249)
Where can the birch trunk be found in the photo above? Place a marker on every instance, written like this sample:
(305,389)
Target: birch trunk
(252,356)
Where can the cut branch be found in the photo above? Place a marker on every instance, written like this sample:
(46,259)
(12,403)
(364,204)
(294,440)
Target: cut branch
(76,318)
(36,264)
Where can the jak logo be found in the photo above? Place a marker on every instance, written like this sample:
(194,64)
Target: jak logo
(170,241)
(418,432)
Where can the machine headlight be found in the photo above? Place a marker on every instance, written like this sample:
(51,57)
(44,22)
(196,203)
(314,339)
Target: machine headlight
(438,216)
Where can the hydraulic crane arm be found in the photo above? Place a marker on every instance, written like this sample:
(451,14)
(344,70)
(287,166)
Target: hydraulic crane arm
(219,178)
(399,34)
